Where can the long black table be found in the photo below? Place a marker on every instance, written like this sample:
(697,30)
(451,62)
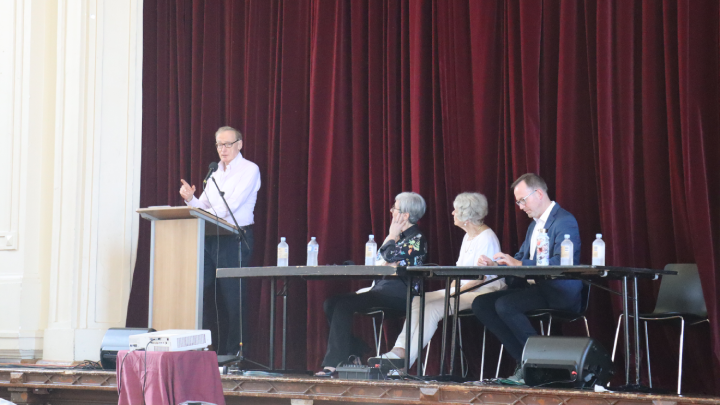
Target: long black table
(451,273)
(303,272)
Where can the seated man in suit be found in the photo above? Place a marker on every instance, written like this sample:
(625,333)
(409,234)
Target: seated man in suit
(503,312)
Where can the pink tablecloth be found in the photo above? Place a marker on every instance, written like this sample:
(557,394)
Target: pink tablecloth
(171,378)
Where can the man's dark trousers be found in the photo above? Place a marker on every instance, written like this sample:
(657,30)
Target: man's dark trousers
(503,312)
(221,252)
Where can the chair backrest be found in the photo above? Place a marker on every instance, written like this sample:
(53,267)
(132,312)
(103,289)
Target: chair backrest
(682,293)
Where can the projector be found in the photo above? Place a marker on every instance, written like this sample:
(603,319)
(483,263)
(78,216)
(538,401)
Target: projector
(172,340)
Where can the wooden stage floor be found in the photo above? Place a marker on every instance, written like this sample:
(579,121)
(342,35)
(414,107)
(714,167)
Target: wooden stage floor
(25,385)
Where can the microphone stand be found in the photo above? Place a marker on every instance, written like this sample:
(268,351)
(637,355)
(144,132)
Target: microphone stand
(240,238)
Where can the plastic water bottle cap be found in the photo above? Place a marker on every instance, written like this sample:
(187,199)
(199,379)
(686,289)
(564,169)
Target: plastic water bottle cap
(567,236)
(372,236)
(282,239)
(312,238)
(598,235)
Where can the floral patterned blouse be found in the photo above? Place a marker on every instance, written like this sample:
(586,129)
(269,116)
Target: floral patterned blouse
(410,250)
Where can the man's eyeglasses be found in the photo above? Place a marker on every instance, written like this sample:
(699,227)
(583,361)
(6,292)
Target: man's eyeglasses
(523,200)
(225,145)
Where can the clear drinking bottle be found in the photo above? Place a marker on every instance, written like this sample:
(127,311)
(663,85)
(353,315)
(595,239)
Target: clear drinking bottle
(566,252)
(598,252)
(282,253)
(370,251)
(312,252)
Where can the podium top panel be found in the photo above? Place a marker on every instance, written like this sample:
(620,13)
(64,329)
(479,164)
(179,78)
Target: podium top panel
(169,213)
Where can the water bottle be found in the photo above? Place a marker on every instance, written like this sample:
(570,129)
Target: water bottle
(542,251)
(283,253)
(370,251)
(566,251)
(598,256)
(312,253)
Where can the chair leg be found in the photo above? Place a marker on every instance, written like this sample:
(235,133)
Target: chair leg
(680,361)
(542,330)
(427,355)
(549,325)
(482,357)
(463,372)
(587,329)
(647,353)
(380,333)
(376,337)
(617,333)
(497,370)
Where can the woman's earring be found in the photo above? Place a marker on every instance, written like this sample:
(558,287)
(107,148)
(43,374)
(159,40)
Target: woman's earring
(466,224)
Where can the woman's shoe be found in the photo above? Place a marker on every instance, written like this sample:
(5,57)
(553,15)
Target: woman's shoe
(390,355)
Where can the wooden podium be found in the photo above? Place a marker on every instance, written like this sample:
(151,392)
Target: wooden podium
(177,248)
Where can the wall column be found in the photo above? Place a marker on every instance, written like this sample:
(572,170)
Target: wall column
(70,233)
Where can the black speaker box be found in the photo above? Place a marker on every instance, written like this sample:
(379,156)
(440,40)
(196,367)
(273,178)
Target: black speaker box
(565,362)
(117,339)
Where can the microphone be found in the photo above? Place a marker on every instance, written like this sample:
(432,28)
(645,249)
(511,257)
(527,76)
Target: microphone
(213,167)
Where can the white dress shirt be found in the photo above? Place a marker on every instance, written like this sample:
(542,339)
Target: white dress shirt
(240,181)
(539,223)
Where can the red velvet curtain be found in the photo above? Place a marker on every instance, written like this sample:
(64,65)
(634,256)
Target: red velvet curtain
(344,104)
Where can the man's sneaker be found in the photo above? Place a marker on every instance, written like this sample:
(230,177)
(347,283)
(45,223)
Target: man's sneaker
(517,376)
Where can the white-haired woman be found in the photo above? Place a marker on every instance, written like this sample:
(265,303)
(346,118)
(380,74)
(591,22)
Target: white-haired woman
(469,214)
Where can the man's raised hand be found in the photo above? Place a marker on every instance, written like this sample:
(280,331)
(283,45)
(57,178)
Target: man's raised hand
(187,192)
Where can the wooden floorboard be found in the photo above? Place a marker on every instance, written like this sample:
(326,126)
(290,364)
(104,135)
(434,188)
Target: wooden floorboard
(59,387)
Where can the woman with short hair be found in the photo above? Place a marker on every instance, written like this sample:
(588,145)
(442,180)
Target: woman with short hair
(405,245)
(469,215)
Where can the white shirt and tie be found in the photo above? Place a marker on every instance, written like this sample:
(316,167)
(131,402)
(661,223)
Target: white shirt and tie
(240,181)
(539,224)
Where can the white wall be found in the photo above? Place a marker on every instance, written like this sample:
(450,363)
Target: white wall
(70,111)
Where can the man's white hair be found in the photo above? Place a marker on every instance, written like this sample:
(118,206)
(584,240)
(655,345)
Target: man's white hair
(238,135)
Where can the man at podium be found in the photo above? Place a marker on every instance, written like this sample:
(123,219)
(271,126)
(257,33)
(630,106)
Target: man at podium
(239,180)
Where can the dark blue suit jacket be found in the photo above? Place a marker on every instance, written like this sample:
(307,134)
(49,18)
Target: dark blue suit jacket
(560,294)
(559,223)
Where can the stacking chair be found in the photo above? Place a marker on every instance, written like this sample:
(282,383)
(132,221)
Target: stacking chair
(378,332)
(680,298)
(563,316)
(469,313)
(463,367)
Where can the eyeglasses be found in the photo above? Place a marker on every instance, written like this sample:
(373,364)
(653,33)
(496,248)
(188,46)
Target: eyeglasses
(225,145)
(393,208)
(523,200)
